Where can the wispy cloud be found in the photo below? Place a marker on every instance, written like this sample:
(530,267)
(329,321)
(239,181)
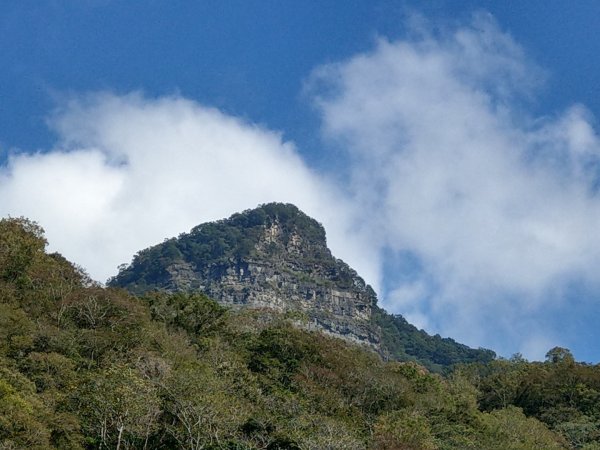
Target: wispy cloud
(499,208)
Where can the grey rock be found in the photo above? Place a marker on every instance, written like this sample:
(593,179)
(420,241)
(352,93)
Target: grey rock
(288,268)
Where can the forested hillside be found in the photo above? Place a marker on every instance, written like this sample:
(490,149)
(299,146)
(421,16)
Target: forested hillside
(86,367)
(403,341)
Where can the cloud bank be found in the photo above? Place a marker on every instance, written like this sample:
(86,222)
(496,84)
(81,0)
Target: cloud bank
(498,210)
(129,171)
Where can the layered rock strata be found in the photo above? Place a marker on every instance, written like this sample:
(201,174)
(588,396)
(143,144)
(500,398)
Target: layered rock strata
(272,257)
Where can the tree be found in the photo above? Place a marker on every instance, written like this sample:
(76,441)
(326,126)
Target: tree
(510,429)
(403,429)
(205,405)
(22,415)
(118,405)
(21,241)
(560,355)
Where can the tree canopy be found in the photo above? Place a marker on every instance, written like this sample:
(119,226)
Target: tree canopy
(84,367)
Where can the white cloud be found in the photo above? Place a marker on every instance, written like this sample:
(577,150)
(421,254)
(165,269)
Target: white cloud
(500,208)
(130,171)
(406,298)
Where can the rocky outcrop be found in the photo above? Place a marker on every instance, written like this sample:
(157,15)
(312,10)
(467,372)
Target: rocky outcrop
(274,257)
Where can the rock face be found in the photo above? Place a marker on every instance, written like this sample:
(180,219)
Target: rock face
(273,257)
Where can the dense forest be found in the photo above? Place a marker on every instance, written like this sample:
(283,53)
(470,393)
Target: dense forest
(86,367)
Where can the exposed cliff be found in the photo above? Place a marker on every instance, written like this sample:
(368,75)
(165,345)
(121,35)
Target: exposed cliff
(275,257)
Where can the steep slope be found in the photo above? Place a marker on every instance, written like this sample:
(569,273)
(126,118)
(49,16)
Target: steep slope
(403,341)
(275,256)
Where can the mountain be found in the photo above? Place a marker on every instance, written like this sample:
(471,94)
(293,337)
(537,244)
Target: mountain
(276,257)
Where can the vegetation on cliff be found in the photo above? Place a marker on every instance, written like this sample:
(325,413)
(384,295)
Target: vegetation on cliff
(230,240)
(86,367)
(404,342)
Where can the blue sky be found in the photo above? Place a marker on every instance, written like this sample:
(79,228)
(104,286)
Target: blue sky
(450,148)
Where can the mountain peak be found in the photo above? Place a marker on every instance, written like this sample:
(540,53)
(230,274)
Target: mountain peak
(285,213)
(274,256)
(276,228)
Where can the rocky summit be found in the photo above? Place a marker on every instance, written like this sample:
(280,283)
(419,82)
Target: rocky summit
(276,257)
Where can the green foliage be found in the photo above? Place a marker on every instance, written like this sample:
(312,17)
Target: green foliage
(215,244)
(204,404)
(196,314)
(86,367)
(21,242)
(510,429)
(279,352)
(119,408)
(404,342)
(563,394)
(16,331)
(20,424)
(403,429)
